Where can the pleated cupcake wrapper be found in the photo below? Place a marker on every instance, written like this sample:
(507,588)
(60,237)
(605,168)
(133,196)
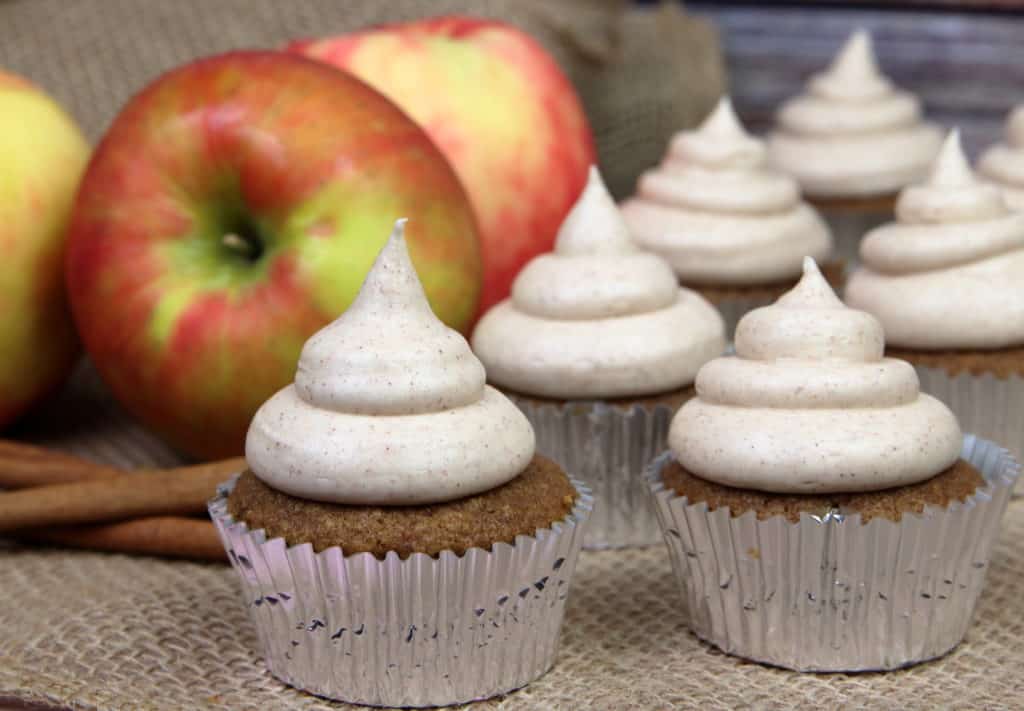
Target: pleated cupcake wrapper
(988,406)
(609,448)
(416,632)
(830,593)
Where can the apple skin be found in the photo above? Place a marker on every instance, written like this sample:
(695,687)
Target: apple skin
(43,156)
(308,167)
(501,110)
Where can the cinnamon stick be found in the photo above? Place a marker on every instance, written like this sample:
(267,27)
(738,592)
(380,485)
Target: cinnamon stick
(23,465)
(180,491)
(166,536)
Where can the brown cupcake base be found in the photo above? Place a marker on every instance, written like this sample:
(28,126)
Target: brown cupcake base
(832,271)
(1002,363)
(673,399)
(537,498)
(954,484)
(870,204)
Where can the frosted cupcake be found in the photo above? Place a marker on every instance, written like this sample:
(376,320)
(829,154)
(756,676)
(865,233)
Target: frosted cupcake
(1003,163)
(733,229)
(599,345)
(398,541)
(945,281)
(853,141)
(821,512)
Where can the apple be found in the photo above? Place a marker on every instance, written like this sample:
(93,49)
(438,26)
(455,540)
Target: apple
(232,209)
(501,110)
(43,156)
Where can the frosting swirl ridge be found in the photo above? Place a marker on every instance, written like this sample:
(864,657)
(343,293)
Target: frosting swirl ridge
(852,133)
(945,274)
(389,406)
(1003,163)
(809,405)
(719,214)
(597,317)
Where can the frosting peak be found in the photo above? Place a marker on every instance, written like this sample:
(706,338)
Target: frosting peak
(389,405)
(719,214)
(853,74)
(1003,163)
(808,404)
(597,317)
(951,193)
(946,273)
(720,142)
(388,354)
(852,133)
(594,225)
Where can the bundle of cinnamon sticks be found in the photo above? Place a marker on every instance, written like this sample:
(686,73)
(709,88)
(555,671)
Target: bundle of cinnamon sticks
(57,498)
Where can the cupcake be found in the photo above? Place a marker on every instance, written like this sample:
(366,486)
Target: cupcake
(853,141)
(599,345)
(398,541)
(1003,163)
(945,281)
(822,514)
(733,229)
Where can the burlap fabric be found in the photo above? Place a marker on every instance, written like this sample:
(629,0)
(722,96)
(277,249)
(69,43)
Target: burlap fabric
(89,630)
(641,74)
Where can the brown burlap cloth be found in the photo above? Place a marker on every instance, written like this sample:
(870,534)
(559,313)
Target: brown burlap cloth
(641,74)
(90,630)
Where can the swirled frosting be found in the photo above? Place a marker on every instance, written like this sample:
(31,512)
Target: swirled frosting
(1003,163)
(389,406)
(597,318)
(947,273)
(852,134)
(719,215)
(809,405)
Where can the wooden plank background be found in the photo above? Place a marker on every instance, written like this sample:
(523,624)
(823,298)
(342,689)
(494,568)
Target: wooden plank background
(967,67)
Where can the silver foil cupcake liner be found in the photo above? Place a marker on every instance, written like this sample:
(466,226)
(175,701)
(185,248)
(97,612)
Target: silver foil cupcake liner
(830,593)
(608,447)
(990,407)
(416,632)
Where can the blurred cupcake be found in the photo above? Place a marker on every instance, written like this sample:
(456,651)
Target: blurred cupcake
(398,541)
(853,141)
(733,229)
(822,514)
(599,345)
(945,281)
(1003,163)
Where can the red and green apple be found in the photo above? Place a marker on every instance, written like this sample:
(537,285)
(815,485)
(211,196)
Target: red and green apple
(500,109)
(42,155)
(232,209)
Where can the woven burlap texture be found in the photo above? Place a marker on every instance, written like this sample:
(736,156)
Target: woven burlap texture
(641,74)
(89,630)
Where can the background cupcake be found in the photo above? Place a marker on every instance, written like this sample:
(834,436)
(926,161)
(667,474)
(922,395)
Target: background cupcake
(599,345)
(945,281)
(821,512)
(852,141)
(1003,163)
(398,542)
(733,229)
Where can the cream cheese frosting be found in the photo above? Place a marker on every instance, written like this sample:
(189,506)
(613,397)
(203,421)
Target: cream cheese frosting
(389,406)
(598,317)
(809,405)
(719,215)
(853,134)
(947,273)
(1003,163)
